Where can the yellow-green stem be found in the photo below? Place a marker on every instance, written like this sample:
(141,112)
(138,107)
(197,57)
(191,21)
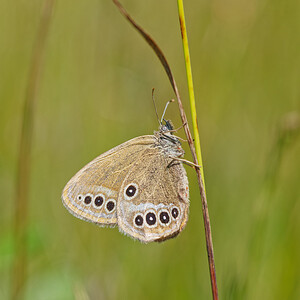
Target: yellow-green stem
(208,236)
(190,86)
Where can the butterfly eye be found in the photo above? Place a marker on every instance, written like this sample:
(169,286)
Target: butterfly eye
(138,220)
(110,205)
(87,199)
(131,191)
(164,217)
(175,213)
(98,201)
(151,219)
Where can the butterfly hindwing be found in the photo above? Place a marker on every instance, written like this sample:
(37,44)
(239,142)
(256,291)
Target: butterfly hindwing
(153,200)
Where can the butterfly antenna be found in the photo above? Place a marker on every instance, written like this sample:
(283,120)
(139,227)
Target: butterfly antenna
(155,106)
(172,100)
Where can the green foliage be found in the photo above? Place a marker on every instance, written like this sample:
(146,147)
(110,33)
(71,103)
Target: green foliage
(95,93)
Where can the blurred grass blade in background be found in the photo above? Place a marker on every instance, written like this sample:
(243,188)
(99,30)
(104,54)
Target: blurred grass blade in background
(287,133)
(18,277)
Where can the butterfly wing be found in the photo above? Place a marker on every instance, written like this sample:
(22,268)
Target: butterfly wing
(92,194)
(154,198)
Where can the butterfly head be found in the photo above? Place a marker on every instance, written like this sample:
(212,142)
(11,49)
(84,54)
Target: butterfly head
(169,143)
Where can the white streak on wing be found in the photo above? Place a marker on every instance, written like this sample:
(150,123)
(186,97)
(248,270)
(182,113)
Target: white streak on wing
(143,207)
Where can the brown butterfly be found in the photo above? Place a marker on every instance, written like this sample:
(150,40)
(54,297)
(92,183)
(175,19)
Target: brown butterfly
(140,185)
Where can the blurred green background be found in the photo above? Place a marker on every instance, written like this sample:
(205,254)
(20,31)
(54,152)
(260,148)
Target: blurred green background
(95,93)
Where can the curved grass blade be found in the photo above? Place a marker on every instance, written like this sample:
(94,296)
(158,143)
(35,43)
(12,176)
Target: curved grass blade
(163,60)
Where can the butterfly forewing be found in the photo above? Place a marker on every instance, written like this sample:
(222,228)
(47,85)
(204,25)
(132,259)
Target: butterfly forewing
(92,194)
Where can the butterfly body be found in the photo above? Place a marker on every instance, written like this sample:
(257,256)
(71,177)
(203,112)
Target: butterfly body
(138,185)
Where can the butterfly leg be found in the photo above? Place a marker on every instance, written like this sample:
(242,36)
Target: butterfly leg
(177,129)
(187,162)
(179,138)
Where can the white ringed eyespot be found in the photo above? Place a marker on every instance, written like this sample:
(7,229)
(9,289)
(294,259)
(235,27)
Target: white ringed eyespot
(88,198)
(138,220)
(150,218)
(175,212)
(131,191)
(98,201)
(164,217)
(110,205)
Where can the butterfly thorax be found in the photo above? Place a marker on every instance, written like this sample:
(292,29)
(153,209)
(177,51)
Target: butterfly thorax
(168,143)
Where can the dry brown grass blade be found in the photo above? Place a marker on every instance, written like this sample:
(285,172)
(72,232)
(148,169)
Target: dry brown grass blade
(23,173)
(208,236)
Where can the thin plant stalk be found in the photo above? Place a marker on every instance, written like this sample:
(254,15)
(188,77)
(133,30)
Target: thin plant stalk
(163,60)
(21,208)
(207,226)
(190,85)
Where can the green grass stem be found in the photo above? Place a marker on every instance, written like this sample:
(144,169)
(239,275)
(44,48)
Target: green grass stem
(207,227)
(190,86)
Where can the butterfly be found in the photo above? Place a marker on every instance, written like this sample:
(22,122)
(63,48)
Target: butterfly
(140,186)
